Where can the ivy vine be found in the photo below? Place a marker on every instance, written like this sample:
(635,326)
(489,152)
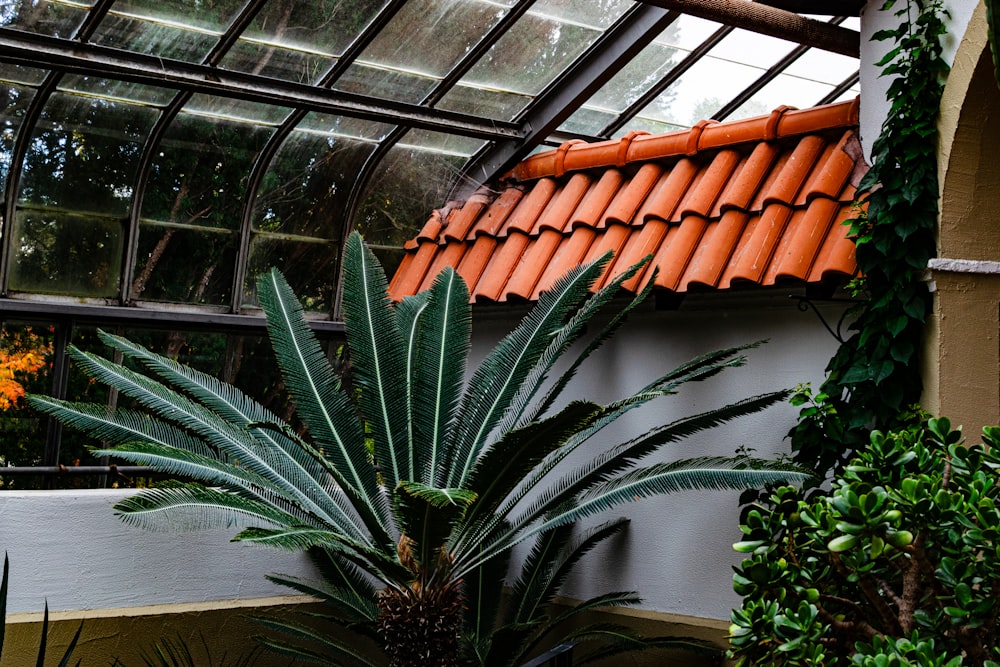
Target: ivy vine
(874,380)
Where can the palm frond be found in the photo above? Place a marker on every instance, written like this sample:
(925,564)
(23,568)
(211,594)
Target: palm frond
(352,607)
(543,589)
(436,371)
(236,443)
(209,470)
(316,391)
(121,425)
(502,374)
(378,359)
(323,648)
(623,456)
(485,598)
(575,327)
(710,472)
(427,517)
(238,409)
(614,639)
(505,464)
(191,506)
(702,473)
(536,570)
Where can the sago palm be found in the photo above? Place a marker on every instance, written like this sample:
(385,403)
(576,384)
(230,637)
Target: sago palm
(414,485)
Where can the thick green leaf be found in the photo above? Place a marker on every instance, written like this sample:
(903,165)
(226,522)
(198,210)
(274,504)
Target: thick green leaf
(378,359)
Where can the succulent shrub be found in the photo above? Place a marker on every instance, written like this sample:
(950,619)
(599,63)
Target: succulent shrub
(898,564)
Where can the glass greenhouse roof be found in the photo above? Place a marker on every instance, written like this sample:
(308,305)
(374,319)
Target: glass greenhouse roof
(158,155)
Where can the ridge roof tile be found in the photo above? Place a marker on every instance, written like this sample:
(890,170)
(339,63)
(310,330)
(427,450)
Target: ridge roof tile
(755,202)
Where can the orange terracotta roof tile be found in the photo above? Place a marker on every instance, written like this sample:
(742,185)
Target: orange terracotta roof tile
(756,202)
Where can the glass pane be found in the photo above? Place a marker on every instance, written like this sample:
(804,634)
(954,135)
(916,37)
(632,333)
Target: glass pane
(122,91)
(409,183)
(199,175)
(239,110)
(429,36)
(310,267)
(817,65)
(84,154)
(590,121)
(275,62)
(157,39)
(484,102)
(183,265)
(344,127)
(750,48)
(688,32)
(318,26)
(43,17)
(531,54)
(689,100)
(16,100)
(25,363)
(66,253)
(789,90)
(597,13)
(210,16)
(307,185)
(11,73)
(386,84)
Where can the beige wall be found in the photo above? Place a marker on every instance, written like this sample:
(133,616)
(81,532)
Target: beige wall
(962,366)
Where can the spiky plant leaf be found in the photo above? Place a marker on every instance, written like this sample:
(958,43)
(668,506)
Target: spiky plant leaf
(427,517)
(346,603)
(436,359)
(191,506)
(378,358)
(319,401)
(572,332)
(502,374)
(518,451)
(238,409)
(322,647)
(556,557)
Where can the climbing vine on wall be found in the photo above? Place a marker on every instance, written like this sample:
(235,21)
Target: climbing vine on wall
(874,381)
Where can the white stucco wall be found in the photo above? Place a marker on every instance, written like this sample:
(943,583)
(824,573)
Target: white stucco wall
(874,105)
(677,551)
(69,548)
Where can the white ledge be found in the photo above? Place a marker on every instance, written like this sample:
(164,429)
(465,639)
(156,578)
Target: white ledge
(964,265)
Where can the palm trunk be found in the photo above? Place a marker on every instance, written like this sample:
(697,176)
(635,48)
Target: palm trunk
(421,626)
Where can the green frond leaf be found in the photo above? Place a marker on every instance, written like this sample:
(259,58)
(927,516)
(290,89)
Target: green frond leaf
(576,326)
(121,425)
(321,648)
(320,402)
(502,374)
(436,371)
(313,385)
(505,464)
(571,554)
(191,506)
(427,516)
(378,358)
(353,608)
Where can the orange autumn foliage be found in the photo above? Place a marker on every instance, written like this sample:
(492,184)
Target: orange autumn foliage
(27,355)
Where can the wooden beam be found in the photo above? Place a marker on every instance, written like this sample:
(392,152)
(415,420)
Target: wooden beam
(771,21)
(820,7)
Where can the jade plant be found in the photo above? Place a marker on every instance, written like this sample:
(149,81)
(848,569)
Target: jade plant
(899,564)
(413,486)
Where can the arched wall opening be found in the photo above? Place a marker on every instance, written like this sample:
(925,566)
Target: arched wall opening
(962,360)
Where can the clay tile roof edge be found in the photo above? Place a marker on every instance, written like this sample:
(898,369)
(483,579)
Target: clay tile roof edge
(782,122)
